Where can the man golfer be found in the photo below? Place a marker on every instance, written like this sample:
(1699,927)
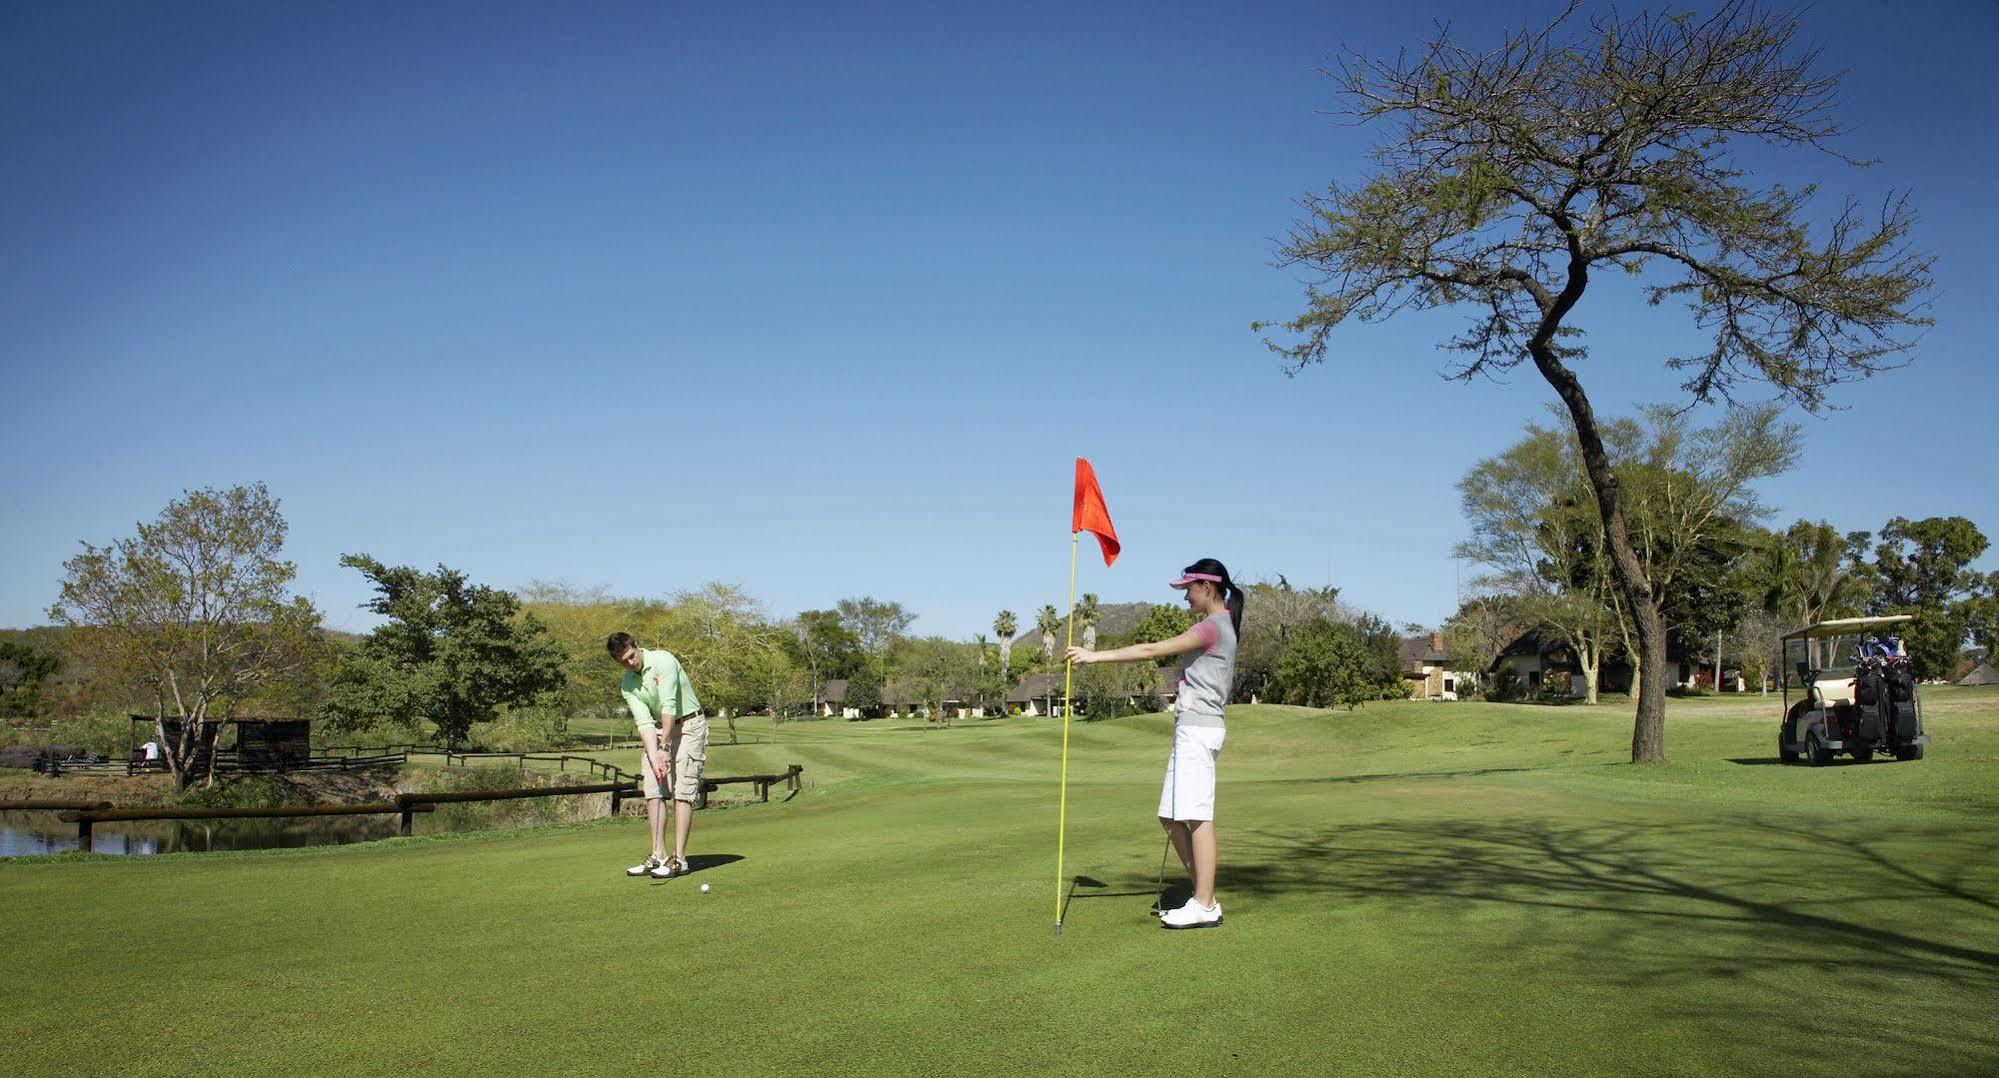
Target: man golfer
(669,719)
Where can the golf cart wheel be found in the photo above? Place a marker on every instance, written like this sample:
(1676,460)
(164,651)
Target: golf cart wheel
(1909,752)
(1816,754)
(1784,755)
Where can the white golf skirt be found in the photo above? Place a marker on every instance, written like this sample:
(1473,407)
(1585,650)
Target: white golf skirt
(1189,793)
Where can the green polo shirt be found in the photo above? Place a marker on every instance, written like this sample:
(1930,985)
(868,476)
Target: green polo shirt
(659,691)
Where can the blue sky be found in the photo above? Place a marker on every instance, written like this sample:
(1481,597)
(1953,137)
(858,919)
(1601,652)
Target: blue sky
(818,299)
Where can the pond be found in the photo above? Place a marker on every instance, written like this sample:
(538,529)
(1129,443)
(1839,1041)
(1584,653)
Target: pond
(41,832)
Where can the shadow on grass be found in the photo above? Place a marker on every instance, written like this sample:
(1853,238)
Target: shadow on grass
(701,862)
(1399,775)
(1177,892)
(1689,901)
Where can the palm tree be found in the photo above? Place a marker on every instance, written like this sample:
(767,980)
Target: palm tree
(1048,621)
(1004,627)
(1087,614)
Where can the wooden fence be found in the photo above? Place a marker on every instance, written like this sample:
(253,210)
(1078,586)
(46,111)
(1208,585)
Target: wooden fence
(228,763)
(590,765)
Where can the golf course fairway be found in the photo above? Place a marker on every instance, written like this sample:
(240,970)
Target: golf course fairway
(1409,888)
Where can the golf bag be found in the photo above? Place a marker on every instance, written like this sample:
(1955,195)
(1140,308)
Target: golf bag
(1870,701)
(1899,700)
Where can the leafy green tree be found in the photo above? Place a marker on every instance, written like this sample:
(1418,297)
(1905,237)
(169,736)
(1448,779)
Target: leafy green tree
(1111,690)
(878,625)
(1327,664)
(935,670)
(824,647)
(1803,575)
(780,685)
(1279,611)
(721,636)
(1505,684)
(1982,614)
(1162,622)
(579,620)
(195,613)
(1482,627)
(452,652)
(1923,567)
(1534,527)
(25,671)
(1516,176)
(864,691)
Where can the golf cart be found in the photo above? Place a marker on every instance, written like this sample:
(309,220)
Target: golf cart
(1859,695)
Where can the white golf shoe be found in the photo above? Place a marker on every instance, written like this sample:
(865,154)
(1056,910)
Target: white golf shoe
(1192,915)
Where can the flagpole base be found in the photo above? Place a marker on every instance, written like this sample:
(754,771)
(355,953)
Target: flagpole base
(1058,928)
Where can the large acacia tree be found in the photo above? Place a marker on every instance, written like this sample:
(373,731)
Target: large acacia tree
(1511,178)
(195,613)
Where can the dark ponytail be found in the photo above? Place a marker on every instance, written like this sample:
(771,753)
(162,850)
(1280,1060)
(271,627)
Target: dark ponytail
(1231,594)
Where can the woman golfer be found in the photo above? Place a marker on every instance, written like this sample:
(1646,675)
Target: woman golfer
(1187,804)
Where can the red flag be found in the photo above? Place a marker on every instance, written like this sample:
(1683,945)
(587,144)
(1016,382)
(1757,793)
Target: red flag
(1091,514)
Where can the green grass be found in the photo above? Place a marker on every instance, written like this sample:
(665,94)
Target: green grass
(1410,888)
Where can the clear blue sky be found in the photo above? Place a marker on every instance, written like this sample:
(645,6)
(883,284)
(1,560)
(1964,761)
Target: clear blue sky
(817,299)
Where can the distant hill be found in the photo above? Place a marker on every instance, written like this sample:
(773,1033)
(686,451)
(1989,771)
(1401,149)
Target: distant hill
(1114,619)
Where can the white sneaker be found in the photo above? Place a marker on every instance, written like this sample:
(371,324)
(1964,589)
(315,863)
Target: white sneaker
(669,868)
(645,867)
(1192,915)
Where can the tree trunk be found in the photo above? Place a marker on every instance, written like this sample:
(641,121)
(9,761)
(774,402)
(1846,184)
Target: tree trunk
(175,750)
(1090,637)
(1591,661)
(1648,732)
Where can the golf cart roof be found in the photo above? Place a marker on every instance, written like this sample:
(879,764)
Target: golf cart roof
(1844,626)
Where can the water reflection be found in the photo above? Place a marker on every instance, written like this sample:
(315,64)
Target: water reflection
(41,832)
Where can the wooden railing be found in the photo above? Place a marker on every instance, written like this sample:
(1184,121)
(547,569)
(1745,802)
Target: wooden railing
(591,765)
(422,802)
(761,783)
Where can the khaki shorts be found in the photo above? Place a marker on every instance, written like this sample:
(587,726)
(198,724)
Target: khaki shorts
(689,758)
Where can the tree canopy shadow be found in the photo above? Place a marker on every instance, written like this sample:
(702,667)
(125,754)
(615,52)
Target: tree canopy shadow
(1763,897)
(1391,776)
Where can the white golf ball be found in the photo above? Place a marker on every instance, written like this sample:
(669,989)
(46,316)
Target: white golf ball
(704,888)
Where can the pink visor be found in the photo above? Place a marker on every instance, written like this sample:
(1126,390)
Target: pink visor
(1187,580)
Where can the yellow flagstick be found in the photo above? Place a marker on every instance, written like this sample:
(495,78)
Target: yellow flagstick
(1068,670)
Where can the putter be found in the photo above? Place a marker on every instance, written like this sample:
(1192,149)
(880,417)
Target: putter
(1159,888)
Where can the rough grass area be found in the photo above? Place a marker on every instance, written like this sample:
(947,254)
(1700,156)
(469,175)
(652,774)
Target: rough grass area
(1410,889)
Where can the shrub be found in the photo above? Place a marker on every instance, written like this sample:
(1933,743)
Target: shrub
(247,791)
(1329,664)
(1505,684)
(525,729)
(102,732)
